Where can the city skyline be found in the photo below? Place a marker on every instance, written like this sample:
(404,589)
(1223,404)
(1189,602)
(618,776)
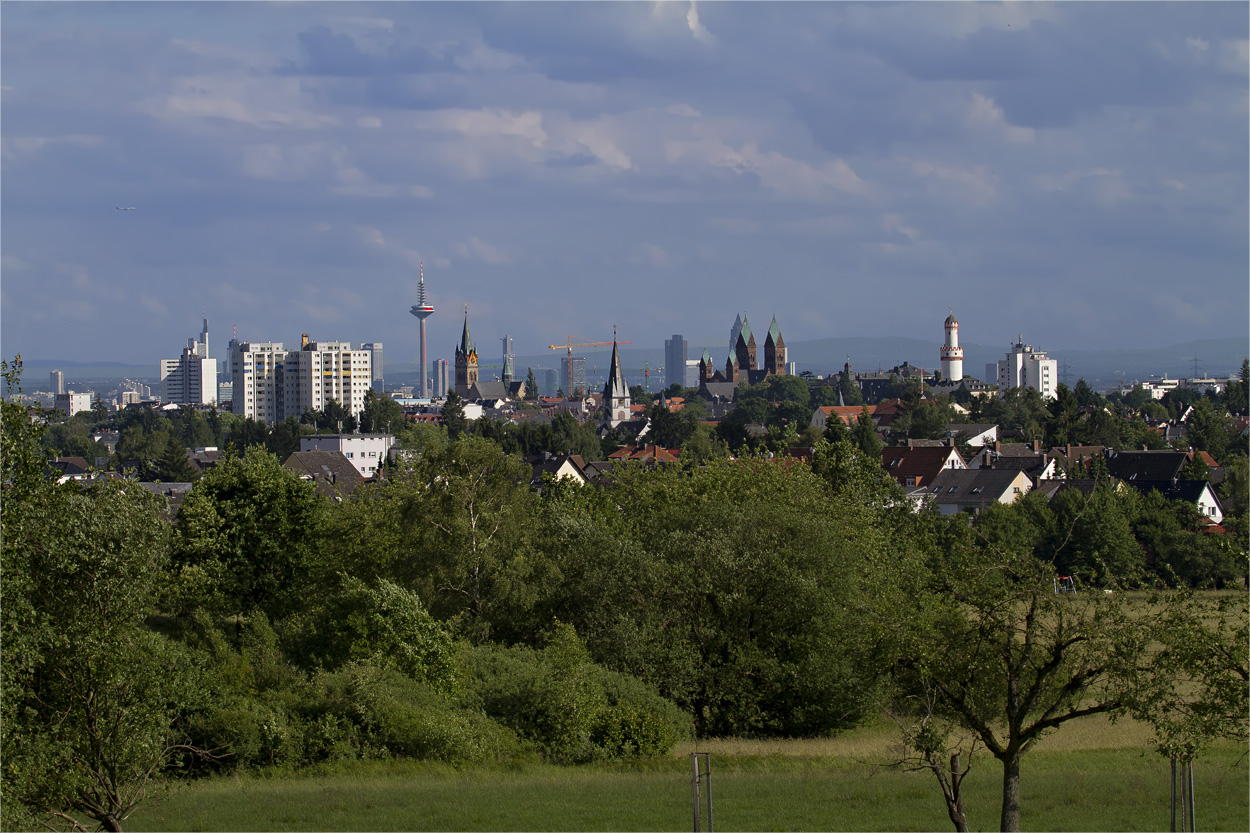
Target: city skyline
(1074,171)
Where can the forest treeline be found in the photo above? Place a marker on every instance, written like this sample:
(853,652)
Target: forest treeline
(450,611)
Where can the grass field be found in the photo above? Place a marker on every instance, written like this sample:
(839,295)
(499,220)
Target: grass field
(1091,775)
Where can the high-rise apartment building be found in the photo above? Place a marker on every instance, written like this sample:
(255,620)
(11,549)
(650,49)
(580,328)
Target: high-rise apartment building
(271,383)
(675,358)
(190,379)
(1025,367)
(57,381)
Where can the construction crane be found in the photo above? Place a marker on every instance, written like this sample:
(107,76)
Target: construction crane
(580,342)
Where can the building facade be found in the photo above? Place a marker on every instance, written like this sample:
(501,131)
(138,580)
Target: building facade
(72,403)
(440,375)
(1025,367)
(56,381)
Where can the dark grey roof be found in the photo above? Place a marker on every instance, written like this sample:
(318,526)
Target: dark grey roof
(719,390)
(1146,465)
(971,487)
(331,472)
(1187,490)
(487,390)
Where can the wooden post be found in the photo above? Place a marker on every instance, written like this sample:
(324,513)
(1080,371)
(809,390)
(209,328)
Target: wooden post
(1173,828)
(1189,771)
(694,785)
(695,778)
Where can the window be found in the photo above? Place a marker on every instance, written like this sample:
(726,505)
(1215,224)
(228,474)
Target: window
(911,481)
(349,455)
(951,490)
(976,490)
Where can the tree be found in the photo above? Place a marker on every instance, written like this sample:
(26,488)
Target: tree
(173,466)
(531,384)
(452,416)
(864,436)
(79,573)
(1005,657)
(381,414)
(246,538)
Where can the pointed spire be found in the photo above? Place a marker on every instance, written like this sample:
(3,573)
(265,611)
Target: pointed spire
(466,344)
(774,332)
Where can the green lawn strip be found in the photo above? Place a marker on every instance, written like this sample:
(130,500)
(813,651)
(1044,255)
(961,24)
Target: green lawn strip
(1117,789)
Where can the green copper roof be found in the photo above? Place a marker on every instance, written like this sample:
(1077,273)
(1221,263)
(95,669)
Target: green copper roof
(707,357)
(774,332)
(745,334)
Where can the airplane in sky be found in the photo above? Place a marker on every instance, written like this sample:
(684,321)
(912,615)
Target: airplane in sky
(124,208)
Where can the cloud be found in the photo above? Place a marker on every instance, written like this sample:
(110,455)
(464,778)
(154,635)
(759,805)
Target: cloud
(974,185)
(369,122)
(700,32)
(152,306)
(264,102)
(15,146)
(984,113)
(478,249)
(649,254)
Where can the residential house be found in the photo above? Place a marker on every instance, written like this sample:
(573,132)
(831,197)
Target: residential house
(976,435)
(330,471)
(918,466)
(971,490)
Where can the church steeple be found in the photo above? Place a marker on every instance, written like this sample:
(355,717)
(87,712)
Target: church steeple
(616,404)
(466,360)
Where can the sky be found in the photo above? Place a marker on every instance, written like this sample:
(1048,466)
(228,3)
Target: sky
(1074,172)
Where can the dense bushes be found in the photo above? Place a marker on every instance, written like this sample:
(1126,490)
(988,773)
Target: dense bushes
(570,708)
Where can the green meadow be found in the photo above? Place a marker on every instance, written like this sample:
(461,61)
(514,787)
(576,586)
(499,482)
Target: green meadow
(1091,775)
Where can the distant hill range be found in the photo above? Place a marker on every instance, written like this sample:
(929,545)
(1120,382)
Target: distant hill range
(1217,357)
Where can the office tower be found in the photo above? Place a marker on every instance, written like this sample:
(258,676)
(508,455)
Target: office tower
(441,372)
(509,360)
(190,379)
(675,358)
(423,310)
(578,382)
(57,381)
(375,360)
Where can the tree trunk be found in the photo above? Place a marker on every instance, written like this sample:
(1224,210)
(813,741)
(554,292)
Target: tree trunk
(955,801)
(1010,820)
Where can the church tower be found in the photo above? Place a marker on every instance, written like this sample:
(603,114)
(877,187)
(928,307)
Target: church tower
(615,393)
(745,350)
(466,360)
(952,354)
(707,373)
(732,367)
(774,350)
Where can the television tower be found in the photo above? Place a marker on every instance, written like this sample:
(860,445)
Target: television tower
(423,310)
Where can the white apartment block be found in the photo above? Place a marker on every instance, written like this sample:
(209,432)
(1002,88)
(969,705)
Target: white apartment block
(72,403)
(271,383)
(1025,367)
(190,379)
(366,452)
